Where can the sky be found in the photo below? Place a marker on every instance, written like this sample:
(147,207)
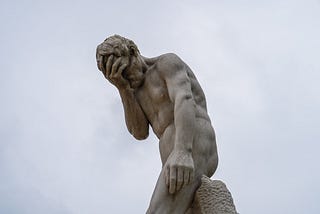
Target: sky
(64,147)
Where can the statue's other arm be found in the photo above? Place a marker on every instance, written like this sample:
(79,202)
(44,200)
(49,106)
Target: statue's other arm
(180,166)
(136,121)
(179,89)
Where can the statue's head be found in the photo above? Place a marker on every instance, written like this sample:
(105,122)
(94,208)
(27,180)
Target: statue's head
(118,46)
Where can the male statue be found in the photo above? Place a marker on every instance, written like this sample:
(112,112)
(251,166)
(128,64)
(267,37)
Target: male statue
(164,93)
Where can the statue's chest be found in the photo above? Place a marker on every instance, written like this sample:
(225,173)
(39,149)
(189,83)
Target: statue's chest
(153,94)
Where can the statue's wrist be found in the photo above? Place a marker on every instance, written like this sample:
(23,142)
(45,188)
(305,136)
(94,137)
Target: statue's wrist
(125,89)
(126,93)
(183,149)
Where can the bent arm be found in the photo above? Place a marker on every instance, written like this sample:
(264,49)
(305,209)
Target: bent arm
(136,121)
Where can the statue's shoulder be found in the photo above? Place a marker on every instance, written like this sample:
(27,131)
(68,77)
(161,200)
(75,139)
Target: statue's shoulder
(171,58)
(170,63)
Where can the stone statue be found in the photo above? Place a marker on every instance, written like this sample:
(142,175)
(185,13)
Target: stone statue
(164,93)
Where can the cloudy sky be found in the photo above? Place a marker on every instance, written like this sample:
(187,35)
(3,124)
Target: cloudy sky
(64,147)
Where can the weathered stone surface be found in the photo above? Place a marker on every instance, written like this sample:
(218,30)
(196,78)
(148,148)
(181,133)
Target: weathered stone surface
(213,197)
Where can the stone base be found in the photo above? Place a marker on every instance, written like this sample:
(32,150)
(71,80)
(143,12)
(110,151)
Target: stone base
(212,197)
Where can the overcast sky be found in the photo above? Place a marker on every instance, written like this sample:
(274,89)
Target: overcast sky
(64,147)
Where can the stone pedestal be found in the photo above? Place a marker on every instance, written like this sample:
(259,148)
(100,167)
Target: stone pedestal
(212,197)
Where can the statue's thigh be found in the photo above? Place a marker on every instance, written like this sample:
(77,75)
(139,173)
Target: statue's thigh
(204,149)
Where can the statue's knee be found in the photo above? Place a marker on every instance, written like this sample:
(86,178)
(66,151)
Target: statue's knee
(213,165)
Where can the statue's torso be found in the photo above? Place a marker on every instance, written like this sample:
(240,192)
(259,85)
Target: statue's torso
(158,107)
(155,102)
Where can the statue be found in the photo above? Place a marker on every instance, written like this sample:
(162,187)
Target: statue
(164,93)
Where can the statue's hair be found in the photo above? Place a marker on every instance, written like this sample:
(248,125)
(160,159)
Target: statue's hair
(118,46)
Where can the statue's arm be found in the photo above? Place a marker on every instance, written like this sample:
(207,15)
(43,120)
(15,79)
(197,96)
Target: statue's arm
(180,165)
(136,121)
(179,89)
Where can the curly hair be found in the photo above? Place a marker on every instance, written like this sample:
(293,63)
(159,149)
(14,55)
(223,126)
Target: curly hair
(118,46)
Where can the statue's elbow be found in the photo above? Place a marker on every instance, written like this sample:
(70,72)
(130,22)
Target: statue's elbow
(141,136)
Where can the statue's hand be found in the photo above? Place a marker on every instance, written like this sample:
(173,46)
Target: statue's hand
(113,70)
(179,170)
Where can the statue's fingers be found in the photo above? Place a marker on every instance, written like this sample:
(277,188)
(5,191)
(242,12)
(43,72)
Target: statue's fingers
(191,174)
(179,178)
(121,68)
(108,66)
(173,180)
(186,177)
(98,51)
(115,67)
(100,63)
(167,176)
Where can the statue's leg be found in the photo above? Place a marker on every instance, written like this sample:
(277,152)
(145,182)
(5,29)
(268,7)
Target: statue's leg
(205,159)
